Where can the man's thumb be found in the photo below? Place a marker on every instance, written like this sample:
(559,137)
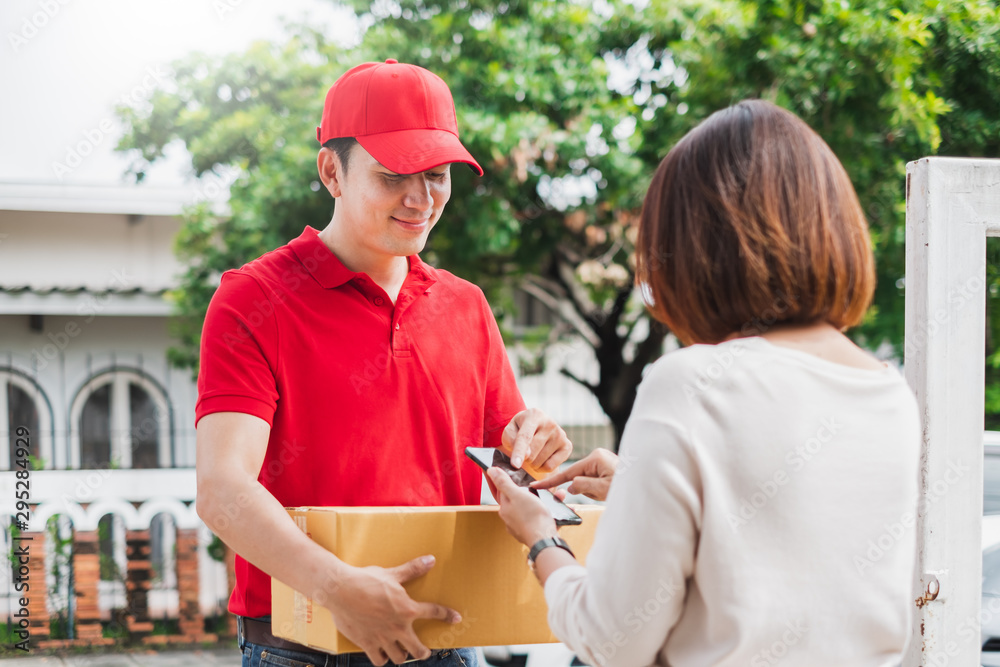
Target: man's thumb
(417,567)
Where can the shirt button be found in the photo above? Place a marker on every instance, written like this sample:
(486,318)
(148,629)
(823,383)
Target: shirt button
(397,327)
(379,301)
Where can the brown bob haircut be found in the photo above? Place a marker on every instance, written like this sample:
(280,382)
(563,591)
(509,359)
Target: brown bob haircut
(751,221)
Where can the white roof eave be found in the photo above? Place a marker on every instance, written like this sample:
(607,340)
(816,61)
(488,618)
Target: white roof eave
(114,199)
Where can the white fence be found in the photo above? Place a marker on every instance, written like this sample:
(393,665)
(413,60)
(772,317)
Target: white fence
(952,206)
(133,498)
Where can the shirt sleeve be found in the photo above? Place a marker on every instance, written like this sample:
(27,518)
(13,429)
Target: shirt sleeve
(503,398)
(239,343)
(620,609)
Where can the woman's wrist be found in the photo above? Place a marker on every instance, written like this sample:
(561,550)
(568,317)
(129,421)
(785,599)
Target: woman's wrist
(550,560)
(542,534)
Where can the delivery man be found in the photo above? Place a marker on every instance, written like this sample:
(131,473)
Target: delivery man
(341,370)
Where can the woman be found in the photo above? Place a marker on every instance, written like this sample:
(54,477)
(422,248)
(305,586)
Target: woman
(763,507)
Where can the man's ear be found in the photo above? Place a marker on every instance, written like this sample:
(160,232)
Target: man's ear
(331,173)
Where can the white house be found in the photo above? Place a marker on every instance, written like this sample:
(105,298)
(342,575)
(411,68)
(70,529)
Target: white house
(83,366)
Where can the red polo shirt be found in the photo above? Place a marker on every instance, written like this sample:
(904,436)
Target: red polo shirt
(370,403)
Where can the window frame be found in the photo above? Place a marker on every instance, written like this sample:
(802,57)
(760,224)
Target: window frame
(121,451)
(45,433)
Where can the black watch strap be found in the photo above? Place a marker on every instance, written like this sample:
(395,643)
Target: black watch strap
(545,544)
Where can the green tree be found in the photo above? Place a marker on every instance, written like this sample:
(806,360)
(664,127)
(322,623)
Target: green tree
(569,106)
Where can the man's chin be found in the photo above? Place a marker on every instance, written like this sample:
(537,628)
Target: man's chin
(413,247)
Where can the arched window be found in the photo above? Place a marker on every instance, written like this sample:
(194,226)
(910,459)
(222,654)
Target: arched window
(95,429)
(121,419)
(162,551)
(22,404)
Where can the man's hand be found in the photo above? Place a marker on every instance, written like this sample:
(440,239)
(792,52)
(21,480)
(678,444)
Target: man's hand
(591,476)
(533,437)
(372,609)
(526,518)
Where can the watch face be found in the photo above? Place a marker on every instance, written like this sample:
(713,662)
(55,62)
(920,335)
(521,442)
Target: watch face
(541,545)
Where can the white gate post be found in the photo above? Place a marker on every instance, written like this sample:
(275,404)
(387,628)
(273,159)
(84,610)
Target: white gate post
(952,205)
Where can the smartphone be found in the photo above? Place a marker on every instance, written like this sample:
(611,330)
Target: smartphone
(491,457)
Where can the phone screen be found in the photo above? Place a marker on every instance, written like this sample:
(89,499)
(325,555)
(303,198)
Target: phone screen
(490,457)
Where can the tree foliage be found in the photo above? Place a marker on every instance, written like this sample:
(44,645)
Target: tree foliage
(569,106)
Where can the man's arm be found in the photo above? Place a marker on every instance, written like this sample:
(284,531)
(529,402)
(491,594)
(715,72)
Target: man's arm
(369,605)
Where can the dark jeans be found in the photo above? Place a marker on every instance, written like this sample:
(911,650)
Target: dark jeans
(255,655)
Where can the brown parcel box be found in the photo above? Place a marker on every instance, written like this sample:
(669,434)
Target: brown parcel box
(480,571)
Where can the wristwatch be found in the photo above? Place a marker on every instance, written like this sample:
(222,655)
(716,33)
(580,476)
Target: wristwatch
(545,544)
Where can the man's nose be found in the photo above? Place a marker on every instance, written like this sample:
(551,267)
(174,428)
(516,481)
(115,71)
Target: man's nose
(418,193)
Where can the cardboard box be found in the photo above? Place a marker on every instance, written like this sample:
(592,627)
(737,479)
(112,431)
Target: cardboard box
(481,571)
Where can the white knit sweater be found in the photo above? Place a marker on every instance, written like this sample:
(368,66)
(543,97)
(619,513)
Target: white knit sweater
(762,514)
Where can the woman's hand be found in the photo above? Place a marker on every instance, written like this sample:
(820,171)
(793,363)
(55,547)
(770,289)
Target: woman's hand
(591,476)
(526,518)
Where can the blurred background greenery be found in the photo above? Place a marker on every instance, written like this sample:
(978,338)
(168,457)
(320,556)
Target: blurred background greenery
(569,106)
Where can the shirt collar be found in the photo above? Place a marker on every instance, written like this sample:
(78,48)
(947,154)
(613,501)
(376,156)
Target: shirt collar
(330,272)
(420,273)
(319,260)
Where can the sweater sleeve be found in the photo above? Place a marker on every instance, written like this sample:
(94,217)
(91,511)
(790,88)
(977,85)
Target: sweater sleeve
(620,609)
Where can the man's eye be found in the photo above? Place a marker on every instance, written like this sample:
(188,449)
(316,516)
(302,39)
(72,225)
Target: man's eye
(437,176)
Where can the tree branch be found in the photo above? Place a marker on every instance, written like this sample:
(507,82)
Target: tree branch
(568,373)
(575,292)
(606,257)
(646,351)
(610,326)
(561,307)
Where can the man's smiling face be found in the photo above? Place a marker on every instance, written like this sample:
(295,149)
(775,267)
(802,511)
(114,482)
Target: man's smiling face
(390,214)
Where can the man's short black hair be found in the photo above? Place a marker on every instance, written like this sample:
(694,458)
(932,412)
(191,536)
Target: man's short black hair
(342,146)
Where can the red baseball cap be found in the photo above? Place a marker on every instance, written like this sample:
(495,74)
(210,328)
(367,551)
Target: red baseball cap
(402,114)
